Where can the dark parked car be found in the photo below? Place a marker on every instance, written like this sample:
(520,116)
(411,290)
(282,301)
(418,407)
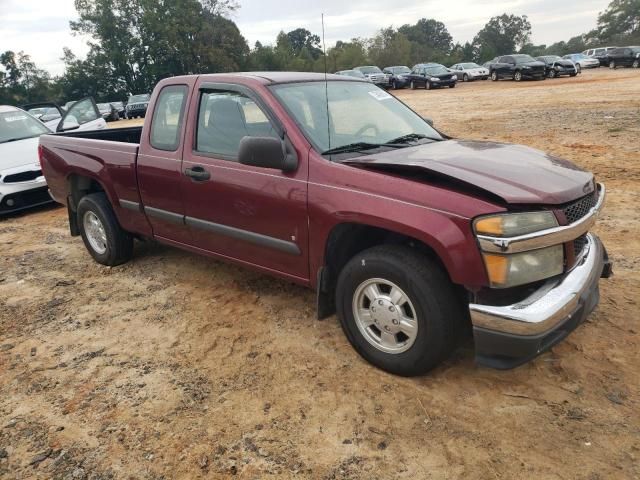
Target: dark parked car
(488,63)
(108,112)
(119,106)
(518,67)
(557,66)
(137,106)
(431,75)
(400,76)
(624,57)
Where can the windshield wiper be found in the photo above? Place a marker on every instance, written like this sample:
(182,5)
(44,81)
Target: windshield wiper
(357,147)
(409,137)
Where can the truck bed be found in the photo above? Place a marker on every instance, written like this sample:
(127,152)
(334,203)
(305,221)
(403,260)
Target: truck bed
(124,135)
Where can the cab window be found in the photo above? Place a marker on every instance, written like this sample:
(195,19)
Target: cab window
(167,118)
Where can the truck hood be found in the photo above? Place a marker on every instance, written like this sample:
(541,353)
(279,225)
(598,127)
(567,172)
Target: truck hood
(18,154)
(515,173)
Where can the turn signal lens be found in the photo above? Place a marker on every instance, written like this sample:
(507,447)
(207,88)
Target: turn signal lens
(497,266)
(490,226)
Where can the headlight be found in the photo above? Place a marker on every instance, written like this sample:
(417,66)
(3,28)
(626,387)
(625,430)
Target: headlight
(521,268)
(514,224)
(434,79)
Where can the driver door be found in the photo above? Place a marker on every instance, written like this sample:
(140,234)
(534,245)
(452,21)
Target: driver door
(254,215)
(82,115)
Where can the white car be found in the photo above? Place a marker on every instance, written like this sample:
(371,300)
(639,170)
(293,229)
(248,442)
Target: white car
(581,61)
(21,182)
(51,114)
(469,71)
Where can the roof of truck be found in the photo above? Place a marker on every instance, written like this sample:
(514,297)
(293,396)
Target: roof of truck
(286,77)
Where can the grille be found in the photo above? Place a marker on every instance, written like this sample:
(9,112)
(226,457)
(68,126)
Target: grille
(22,176)
(578,209)
(578,245)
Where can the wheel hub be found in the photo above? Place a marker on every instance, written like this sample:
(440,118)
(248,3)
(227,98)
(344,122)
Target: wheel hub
(385,315)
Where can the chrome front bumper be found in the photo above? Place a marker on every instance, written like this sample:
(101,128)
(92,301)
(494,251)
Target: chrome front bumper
(507,336)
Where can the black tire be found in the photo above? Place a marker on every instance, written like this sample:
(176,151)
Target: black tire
(413,85)
(552,73)
(438,310)
(465,78)
(494,76)
(612,65)
(573,74)
(635,64)
(427,85)
(119,244)
(453,85)
(517,76)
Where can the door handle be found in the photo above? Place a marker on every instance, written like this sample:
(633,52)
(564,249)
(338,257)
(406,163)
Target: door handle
(197,173)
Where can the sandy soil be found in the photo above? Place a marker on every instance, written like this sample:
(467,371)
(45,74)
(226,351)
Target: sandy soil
(177,366)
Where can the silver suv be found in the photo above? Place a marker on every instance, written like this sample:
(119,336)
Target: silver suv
(376,75)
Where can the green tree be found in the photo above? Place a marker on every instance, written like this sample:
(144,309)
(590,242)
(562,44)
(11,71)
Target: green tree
(430,34)
(502,35)
(622,17)
(389,47)
(301,38)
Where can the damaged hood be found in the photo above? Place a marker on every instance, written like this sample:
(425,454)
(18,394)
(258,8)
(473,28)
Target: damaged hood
(515,173)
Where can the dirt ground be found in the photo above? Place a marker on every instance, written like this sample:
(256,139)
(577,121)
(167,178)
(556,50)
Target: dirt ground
(178,366)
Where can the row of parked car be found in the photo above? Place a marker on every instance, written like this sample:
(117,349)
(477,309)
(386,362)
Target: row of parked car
(22,184)
(50,113)
(516,66)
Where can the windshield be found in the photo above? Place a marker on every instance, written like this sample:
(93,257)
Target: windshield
(352,73)
(104,107)
(139,98)
(401,70)
(436,69)
(18,125)
(358,112)
(369,69)
(469,65)
(523,58)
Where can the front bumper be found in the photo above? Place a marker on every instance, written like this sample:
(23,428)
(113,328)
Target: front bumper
(20,196)
(508,336)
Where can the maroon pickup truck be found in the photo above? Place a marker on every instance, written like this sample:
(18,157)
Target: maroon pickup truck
(409,235)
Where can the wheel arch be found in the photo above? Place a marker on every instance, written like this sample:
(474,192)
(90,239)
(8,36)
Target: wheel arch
(347,239)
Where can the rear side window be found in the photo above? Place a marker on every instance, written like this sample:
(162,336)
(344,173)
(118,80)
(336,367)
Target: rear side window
(167,118)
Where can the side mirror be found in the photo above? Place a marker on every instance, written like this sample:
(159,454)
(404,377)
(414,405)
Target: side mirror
(267,152)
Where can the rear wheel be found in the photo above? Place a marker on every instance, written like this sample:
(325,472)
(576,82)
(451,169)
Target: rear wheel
(635,64)
(612,64)
(398,309)
(101,233)
(413,85)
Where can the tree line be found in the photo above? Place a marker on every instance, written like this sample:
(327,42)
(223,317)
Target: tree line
(135,43)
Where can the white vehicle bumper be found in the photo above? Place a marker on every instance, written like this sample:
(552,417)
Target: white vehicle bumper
(17,196)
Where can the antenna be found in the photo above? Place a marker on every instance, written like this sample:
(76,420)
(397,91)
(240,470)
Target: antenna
(326,82)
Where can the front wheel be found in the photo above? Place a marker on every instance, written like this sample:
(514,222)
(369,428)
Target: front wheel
(494,76)
(552,73)
(398,309)
(427,85)
(465,78)
(517,76)
(453,85)
(612,65)
(635,64)
(413,85)
(101,233)
(578,68)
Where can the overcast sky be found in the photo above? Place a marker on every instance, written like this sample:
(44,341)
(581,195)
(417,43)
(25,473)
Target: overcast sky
(41,27)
